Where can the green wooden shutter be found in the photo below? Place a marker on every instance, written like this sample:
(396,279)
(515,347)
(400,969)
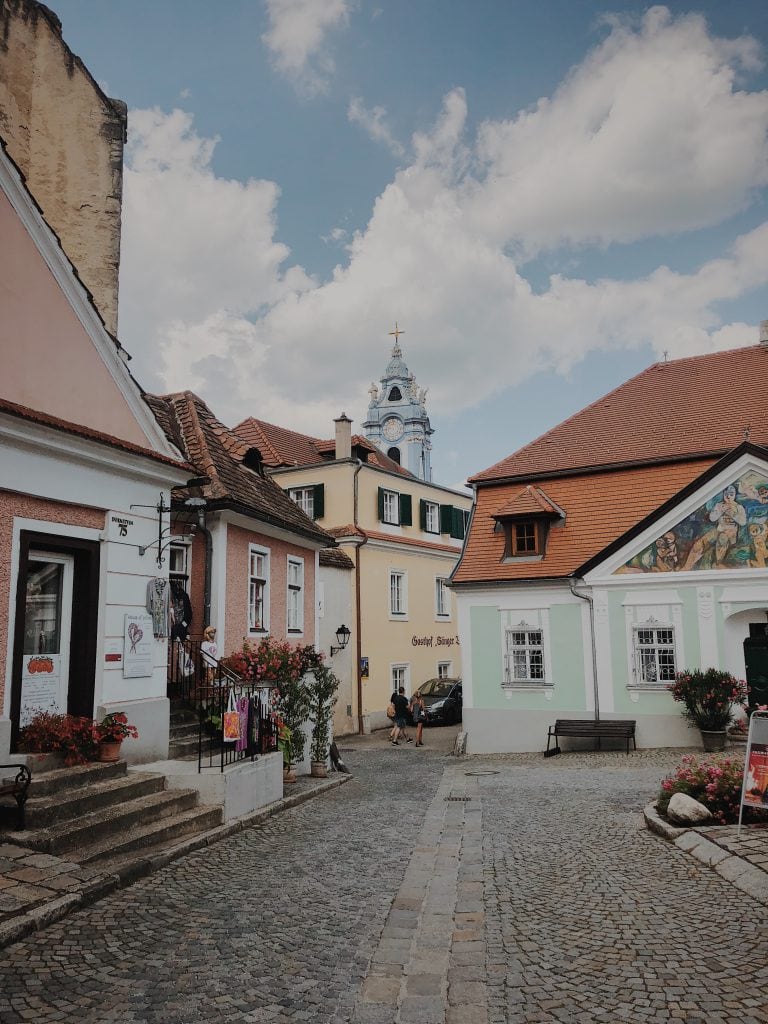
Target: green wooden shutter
(422,514)
(457,523)
(319,501)
(381,504)
(406,510)
(446,518)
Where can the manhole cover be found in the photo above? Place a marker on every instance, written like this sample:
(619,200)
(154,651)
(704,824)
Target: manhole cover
(459,799)
(482,773)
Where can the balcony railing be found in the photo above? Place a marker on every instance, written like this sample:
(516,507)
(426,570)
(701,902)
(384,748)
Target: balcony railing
(211,690)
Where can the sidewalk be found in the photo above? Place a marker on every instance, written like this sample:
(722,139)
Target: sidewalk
(741,861)
(37,889)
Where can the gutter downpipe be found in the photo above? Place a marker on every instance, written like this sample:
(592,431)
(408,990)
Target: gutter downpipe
(358,617)
(590,602)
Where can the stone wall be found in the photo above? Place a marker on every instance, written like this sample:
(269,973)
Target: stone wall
(67,138)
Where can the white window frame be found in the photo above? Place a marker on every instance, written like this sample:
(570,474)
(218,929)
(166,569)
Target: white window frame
(652,653)
(532,651)
(445,670)
(398,596)
(442,599)
(184,548)
(253,579)
(391,505)
(294,595)
(432,517)
(304,497)
(398,680)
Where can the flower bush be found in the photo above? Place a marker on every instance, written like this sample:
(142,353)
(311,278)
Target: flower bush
(709,696)
(323,688)
(282,666)
(715,783)
(49,733)
(114,728)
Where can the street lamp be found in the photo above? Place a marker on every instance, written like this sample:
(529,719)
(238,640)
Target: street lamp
(342,635)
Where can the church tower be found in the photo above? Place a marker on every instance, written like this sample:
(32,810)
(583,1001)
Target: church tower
(397,421)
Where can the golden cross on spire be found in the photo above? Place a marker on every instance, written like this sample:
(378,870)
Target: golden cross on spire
(397,332)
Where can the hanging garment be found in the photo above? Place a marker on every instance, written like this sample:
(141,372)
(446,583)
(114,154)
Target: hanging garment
(181,611)
(158,605)
(242,711)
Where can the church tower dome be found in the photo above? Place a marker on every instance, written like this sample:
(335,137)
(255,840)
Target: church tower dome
(397,421)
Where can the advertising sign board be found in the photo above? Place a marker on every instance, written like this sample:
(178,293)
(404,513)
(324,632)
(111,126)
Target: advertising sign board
(754,790)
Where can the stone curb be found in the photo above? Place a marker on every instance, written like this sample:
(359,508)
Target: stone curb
(734,869)
(16,928)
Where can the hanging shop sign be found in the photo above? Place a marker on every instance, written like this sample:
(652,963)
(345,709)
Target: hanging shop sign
(754,790)
(138,646)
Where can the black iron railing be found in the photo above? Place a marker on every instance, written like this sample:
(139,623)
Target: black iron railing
(213,691)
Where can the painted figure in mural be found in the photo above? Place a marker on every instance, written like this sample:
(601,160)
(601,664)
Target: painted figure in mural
(667,554)
(758,535)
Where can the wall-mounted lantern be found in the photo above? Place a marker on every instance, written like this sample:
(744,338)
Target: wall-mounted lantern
(342,635)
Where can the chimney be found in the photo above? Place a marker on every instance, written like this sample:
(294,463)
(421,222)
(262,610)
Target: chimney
(764,333)
(343,437)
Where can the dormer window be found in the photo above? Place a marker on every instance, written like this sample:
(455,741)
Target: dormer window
(525,538)
(526,521)
(395,395)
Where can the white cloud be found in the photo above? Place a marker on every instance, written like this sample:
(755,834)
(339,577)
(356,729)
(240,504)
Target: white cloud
(297,39)
(649,135)
(373,123)
(209,296)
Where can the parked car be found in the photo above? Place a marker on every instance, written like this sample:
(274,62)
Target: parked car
(442,701)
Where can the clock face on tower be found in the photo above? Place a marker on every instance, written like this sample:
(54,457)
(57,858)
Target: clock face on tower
(392,428)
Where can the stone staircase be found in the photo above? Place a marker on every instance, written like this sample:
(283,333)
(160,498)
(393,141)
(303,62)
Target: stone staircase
(103,816)
(183,737)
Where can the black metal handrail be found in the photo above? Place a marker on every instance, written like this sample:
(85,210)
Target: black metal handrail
(205,685)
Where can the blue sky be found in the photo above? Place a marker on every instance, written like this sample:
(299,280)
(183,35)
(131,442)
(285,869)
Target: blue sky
(545,195)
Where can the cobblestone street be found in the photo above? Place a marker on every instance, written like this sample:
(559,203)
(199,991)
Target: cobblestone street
(534,894)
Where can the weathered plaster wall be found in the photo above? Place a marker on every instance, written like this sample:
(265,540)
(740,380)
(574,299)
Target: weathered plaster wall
(67,137)
(24,507)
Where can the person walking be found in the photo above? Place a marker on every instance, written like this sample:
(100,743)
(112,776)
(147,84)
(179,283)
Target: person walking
(419,715)
(401,715)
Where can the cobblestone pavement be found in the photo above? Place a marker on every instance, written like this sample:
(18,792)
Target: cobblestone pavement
(533,895)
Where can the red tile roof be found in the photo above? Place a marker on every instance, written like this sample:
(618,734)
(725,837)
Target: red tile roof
(335,558)
(599,508)
(78,430)
(218,454)
(281,448)
(530,501)
(696,407)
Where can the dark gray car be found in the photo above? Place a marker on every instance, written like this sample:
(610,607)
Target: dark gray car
(442,701)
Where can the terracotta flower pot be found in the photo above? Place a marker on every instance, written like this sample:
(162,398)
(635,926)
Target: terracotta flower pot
(289,775)
(318,770)
(110,751)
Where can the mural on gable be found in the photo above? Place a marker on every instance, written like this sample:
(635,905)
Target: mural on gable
(730,531)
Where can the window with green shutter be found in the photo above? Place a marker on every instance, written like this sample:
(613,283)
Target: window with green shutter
(446,518)
(319,501)
(406,510)
(457,523)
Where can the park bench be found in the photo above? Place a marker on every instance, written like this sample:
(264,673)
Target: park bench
(17,787)
(585,728)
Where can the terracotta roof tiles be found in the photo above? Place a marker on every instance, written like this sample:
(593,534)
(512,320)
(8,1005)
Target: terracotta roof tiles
(217,454)
(531,501)
(684,408)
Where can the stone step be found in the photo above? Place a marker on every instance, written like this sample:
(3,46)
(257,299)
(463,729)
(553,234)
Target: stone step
(60,780)
(183,748)
(183,732)
(108,824)
(113,853)
(184,716)
(75,803)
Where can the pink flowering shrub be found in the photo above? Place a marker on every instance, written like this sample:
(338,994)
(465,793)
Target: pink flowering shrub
(715,783)
(709,696)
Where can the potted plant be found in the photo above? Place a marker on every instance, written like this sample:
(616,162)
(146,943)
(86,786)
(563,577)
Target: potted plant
(323,687)
(67,735)
(709,697)
(110,733)
(284,745)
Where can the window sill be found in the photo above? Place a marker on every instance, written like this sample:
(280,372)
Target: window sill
(522,558)
(650,687)
(520,684)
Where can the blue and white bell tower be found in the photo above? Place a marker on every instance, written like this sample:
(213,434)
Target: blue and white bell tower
(397,421)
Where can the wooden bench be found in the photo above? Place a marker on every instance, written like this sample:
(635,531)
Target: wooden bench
(612,728)
(17,787)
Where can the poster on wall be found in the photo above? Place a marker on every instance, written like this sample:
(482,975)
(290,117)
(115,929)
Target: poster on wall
(138,646)
(40,685)
(754,791)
